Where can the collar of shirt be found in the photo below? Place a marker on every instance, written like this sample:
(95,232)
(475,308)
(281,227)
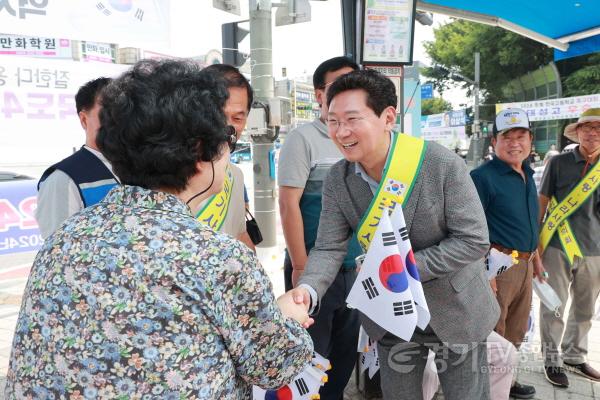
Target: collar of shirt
(103,159)
(577,155)
(321,127)
(503,168)
(138,197)
(359,170)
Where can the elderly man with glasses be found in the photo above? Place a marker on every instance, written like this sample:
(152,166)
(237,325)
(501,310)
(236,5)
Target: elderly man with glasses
(569,239)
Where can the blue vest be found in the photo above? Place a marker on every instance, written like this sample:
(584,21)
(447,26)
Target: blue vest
(93,179)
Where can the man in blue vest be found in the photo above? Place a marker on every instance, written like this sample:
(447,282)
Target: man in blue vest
(83,178)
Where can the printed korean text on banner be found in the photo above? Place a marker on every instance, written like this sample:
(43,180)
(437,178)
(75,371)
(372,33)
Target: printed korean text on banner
(37,107)
(305,386)
(18,227)
(381,290)
(547,110)
(35,46)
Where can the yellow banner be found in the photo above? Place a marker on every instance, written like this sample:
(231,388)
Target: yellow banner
(215,210)
(558,213)
(398,178)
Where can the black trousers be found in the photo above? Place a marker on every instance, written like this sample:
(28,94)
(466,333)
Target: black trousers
(335,331)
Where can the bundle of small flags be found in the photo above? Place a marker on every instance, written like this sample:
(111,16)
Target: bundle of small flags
(369,358)
(388,288)
(305,386)
(497,262)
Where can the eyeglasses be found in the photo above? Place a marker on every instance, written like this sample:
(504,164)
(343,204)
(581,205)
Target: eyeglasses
(351,123)
(589,128)
(231,138)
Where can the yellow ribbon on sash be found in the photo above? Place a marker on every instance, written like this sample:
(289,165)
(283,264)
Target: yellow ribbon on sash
(215,210)
(398,178)
(558,214)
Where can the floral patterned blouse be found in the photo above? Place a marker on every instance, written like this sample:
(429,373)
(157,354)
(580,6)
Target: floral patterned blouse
(134,299)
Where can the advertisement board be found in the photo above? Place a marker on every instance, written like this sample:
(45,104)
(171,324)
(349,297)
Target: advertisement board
(387,31)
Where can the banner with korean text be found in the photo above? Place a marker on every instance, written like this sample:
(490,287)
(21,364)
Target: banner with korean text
(548,110)
(37,107)
(136,23)
(18,227)
(35,46)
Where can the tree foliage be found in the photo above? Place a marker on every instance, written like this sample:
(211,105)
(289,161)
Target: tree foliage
(503,56)
(436,105)
(583,79)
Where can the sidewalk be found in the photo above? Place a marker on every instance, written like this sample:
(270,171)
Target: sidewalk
(530,370)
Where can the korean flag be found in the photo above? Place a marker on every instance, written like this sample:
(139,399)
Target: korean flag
(497,263)
(382,290)
(414,282)
(305,386)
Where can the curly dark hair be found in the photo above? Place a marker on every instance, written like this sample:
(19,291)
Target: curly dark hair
(159,119)
(381,92)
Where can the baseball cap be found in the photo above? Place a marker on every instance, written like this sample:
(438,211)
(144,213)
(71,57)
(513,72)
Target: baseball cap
(510,118)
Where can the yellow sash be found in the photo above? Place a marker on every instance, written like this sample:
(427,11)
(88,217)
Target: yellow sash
(558,214)
(398,178)
(215,210)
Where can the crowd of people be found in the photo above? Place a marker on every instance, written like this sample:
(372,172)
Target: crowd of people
(148,285)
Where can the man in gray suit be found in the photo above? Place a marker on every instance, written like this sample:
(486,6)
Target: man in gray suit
(447,229)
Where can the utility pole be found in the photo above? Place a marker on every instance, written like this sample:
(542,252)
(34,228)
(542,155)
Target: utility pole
(262,144)
(476,124)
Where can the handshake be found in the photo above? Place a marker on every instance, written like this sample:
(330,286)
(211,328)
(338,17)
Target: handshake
(295,304)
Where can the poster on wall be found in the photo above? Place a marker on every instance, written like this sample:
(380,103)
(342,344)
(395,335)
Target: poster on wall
(37,107)
(387,31)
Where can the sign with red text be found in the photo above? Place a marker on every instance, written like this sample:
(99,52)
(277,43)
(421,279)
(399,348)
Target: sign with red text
(18,228)
(38,120)
(548,110)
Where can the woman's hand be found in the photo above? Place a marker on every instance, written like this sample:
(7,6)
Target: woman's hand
(292,308)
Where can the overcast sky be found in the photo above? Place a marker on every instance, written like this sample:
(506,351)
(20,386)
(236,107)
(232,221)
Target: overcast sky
(300,48)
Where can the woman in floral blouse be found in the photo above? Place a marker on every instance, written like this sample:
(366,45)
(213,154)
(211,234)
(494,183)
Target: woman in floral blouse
(133,297)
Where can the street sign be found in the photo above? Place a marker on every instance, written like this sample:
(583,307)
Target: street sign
(230,6)
(427,91)
(293,12)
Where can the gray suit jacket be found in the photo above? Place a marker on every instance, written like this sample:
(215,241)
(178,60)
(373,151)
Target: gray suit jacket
(447,230)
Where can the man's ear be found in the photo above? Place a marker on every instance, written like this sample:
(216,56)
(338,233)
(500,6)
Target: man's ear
(83,119)
(390,117)
(320,97)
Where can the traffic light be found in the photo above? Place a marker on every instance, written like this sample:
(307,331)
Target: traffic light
(231,36)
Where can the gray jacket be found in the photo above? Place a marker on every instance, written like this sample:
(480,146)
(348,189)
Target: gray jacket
(447,230)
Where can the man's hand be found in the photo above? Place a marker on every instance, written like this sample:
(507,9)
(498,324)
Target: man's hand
(539,271)
(296,274)
(295,304)
(493,285)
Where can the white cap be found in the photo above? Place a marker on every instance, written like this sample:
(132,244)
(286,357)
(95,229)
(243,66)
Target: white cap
(510,118)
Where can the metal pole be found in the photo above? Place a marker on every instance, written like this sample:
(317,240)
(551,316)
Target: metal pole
(262,145)
(476,94)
